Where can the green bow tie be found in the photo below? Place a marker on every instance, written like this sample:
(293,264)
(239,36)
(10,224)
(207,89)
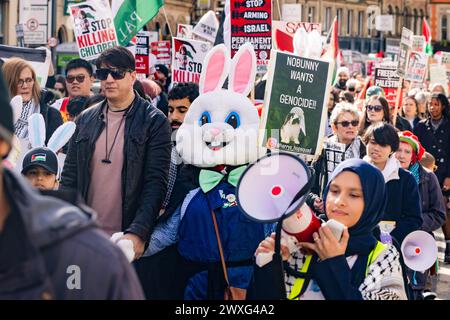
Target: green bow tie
(209,179)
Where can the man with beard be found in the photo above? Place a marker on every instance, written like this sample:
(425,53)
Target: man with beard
(157,271)
(180,98)
(342,74)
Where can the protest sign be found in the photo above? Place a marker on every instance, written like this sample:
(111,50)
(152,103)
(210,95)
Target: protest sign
(295,109)
(392,49)
(161,49)
(154,36)
(187,61)
(142,52)
(416,67)
(38,58)
(405,46)
(445,57)
(335,154)
(418,44)
(386,77)
(184,31)
(291,12)
(251,22)
(438,74)
(94,28)
(207,27)
(283,33)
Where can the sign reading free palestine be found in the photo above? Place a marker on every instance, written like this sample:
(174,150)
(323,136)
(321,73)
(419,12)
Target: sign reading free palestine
(295,106)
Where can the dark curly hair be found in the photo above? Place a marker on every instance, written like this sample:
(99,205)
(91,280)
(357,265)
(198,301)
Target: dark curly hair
(184,90)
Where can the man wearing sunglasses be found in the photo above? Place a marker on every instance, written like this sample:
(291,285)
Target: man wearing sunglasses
(79,80)
(119,156)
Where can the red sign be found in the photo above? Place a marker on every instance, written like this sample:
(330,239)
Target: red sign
(251,21)
(162,51)
(142,52)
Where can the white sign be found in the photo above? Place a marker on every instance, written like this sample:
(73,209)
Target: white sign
(154,36)
(438,74)
(445,57)
(372,12)
(291,12)
(418,44)
(384,23)
(207,27)
(36,19)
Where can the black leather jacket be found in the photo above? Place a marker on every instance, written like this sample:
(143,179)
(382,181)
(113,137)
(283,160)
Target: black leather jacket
(147,149)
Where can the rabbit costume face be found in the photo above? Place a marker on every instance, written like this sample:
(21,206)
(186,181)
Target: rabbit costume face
(221,126)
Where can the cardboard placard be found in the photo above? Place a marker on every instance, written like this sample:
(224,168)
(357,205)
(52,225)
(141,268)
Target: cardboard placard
(295,109)
(184,31)
(187,61)
(283,33)
(94,28)
(416,67)
(405,46)
(386,77)
(251,21)
(142,52)
(162,51)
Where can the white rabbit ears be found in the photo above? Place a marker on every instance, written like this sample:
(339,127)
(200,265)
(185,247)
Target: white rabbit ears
(216,68)
(36,133)
(308,44)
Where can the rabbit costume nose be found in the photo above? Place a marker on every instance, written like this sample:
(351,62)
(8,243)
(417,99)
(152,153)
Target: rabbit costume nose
(214,131)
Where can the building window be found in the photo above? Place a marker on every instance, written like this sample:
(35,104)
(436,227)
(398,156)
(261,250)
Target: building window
(327,19)
(398,20)
(360,23)
(406,18)
(311,14)
(444,27)
(391,13)
(340,20)
(350,23)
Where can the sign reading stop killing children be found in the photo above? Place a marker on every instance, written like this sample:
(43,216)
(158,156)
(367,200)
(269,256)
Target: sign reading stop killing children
(386,77)
(295,109)
(251,22)
(94,28)
(416,67)
(187,59)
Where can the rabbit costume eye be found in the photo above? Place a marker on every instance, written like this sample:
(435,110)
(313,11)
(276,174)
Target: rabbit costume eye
(233,120)
(204,118)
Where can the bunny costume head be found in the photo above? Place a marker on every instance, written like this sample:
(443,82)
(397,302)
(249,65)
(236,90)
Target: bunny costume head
(221,126)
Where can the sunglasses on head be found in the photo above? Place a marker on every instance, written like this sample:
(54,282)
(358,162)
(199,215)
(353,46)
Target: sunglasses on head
(80,78)
(102,74)
(375,108)
(345,124)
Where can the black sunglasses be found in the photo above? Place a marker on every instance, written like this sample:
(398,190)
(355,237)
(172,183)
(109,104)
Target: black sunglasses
(345,124)
(102,74)
(80,78)
(374,108)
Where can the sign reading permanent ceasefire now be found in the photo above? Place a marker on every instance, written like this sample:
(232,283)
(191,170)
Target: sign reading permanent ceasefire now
(295,111)
(251,21)
(94,28)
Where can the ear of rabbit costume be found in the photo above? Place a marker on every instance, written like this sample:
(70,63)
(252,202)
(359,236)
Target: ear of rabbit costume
(219,136)
(36,139)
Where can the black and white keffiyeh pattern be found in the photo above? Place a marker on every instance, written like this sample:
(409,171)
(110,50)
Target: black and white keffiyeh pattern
(384,280)
(174,160)
(21,126)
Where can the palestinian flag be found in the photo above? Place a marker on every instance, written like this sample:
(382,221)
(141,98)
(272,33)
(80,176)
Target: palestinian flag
(130,16)
(426,32)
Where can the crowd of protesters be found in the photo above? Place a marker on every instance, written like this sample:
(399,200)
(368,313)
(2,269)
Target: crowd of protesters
(121,167)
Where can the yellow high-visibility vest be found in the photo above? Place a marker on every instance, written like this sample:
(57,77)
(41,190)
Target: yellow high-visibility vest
(299,282)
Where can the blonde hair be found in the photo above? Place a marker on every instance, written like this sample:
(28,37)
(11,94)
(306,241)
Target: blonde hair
(12,69)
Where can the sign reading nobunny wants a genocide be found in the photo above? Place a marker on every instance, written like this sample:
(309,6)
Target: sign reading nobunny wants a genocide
(295,106)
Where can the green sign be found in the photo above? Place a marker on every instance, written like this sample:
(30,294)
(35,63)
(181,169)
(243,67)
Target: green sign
(64,58)
(67,3)
(295,107)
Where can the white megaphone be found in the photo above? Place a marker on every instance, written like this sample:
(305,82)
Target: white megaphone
(419,250)
(275,186)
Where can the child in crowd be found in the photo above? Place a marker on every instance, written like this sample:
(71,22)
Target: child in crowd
(40,167)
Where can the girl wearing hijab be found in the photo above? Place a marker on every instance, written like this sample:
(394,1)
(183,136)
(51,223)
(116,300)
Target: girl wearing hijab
(356,267)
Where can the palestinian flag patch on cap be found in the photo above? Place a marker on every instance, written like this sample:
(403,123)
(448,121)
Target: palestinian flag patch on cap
(39,157)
